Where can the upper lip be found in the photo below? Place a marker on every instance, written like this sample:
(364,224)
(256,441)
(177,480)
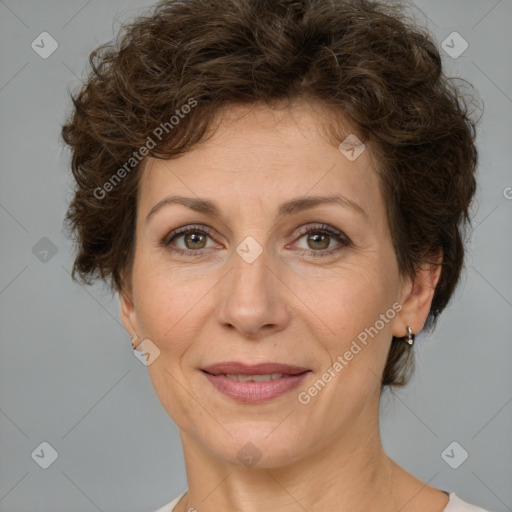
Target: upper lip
(233,367)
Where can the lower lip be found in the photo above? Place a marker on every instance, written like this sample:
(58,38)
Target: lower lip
(255,392)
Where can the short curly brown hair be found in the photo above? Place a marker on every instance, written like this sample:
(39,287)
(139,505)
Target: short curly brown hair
(366,60)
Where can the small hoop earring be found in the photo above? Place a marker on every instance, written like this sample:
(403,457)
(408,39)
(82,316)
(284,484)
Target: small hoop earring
(409,337)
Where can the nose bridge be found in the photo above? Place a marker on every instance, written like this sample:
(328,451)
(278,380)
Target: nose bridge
(251,274)
(252,296)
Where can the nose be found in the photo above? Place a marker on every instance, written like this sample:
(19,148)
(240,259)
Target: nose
(253,298)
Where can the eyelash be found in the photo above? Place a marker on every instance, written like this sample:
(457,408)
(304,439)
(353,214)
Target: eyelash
(323,229)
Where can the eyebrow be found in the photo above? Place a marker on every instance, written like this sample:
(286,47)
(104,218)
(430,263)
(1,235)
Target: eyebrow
(290,207)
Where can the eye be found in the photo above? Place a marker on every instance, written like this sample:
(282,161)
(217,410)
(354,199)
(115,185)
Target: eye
(193,239)
(319,240)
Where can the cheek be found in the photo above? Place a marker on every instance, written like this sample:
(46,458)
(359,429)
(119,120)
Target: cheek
(350,303)
(166,314)
(347,299)
(167,303)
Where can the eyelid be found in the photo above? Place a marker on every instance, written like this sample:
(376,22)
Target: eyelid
(325,228)
(343,240)
(169,237)
(304,230)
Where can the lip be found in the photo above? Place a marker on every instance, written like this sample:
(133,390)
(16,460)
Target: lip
(254,392)
(256,369)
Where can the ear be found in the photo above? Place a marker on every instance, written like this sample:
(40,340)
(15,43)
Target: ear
(128,315)
(417,295)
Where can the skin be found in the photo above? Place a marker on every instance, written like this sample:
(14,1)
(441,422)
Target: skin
(286,306)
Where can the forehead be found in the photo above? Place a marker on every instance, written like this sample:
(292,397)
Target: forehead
(260,155)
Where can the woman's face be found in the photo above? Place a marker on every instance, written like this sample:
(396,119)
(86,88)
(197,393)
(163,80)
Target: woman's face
(248,284)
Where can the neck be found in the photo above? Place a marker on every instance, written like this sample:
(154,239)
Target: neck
(349,474)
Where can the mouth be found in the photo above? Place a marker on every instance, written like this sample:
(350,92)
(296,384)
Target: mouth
(250,378)
(236,368)
(254,383)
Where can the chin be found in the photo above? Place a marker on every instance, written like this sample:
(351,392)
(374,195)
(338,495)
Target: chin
(257,445)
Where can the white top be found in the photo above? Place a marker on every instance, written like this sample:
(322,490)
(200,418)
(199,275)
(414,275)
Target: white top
(455,504)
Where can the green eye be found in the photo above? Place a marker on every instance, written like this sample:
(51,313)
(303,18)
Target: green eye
(318,239)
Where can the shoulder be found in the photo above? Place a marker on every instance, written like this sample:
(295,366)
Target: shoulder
(421,497)
(455,504)
(169,507)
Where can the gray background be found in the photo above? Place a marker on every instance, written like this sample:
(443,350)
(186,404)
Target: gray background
(67,372)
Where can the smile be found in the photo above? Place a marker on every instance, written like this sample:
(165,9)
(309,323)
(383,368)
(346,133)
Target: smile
(257,388)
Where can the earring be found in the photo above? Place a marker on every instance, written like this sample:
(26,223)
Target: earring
(133,342)
(409,337)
